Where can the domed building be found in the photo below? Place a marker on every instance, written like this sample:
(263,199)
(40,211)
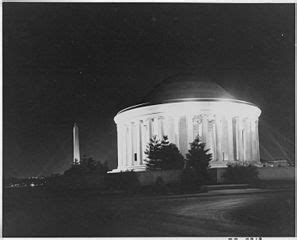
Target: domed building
(183,108)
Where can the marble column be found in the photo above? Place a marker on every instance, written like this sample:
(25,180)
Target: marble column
(131,153)
(183,135)
(166,126)
(257,140)
(132,143)
(210,141)
(218,127)
(204,130)
(245,141)
(240,140)
(251,139)
(150,128)
(145,137)
(171,129)
(160,128)
(255,143)
(213,140)
(236,138)
(189,130)
(176,131)
(225,139)
(230,138)
(127,146)
(196,133)
(155,127)
(248,140)
(120,146)
(140,142)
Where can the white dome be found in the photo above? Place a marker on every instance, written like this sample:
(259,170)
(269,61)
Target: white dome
(186,86)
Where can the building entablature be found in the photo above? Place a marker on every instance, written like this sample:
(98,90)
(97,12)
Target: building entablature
(218,107)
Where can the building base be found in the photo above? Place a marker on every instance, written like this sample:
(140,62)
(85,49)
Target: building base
(137,168)
(213,164)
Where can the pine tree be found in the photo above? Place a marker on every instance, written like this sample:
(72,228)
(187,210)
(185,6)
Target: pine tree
(153,154)
(165,141)
(198,160)
(163,155)
(171,156)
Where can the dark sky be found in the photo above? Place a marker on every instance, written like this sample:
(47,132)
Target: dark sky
(66,63)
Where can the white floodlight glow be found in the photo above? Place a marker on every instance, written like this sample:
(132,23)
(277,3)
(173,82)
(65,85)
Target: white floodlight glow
(228,127)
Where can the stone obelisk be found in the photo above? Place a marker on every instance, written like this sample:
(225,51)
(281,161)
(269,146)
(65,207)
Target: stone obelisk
(76,155)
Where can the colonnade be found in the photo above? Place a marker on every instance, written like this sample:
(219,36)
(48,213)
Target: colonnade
(230,138)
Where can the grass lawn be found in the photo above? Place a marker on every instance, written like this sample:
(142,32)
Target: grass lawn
(83,213)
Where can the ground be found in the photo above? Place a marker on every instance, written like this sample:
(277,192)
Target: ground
(234,212)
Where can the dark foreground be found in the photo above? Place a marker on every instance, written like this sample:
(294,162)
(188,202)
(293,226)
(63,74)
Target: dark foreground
(38,213)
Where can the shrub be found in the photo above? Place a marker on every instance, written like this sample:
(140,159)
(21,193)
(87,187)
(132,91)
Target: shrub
(124,181)
(86,174)
(160,186)
(189,180)
(236,173)
(86,166)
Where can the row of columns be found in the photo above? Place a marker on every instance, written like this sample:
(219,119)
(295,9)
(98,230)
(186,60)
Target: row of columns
(229,138)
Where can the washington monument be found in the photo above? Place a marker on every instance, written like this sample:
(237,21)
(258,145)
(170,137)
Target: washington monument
(76,155)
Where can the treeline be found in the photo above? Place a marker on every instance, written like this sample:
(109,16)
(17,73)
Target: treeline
(161,155)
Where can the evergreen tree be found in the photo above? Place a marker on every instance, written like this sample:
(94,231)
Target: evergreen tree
(163,155)
(153,154)
(165,141)
(198,160)
(170,155)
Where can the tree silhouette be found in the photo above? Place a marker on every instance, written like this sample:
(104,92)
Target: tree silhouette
(163,155)
(198,160)
(170,155)
(239,173)
(87,166)
(153,161)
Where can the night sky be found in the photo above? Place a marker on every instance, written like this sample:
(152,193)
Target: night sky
(66,63)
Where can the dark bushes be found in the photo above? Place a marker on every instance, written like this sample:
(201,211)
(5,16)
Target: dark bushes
(160,186)
(123,181)
(85,175)
(189,180)
(236,173)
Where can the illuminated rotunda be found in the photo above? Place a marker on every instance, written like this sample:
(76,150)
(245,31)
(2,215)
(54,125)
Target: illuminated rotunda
(183,109)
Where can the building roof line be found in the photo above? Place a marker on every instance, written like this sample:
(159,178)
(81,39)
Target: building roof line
(185,100)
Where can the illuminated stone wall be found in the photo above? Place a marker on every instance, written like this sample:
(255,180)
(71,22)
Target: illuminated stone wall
(228,127)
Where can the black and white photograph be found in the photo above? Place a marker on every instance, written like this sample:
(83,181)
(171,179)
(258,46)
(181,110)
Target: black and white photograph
(148,119)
